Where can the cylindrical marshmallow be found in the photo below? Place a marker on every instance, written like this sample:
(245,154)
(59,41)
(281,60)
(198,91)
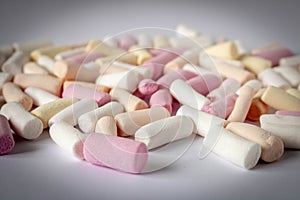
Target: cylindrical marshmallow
(81,92)
(165,131)
(48,110)
(12,92)
(185,31)
(126,41)
(84,57)
(129,122)
(186,95)
(274,55)
(257,107)
(33,68)
(7,142)
(50,51)
(47,63)
(144,40)
(142,54)
(5,52)
(167,79)
(65,54)
(14,64)
(68,138)
(290,61)
(280,99)
(228,86)
(294,92)
(107,125)
(235,149)
(162,98)
(205,83)
(160,41)
(289,73)
(87,84)
(45,82)
(255,64)
(147,86)
(71,113)
(203,122)
(129,101)
(4,78)
(225,50)
(269,77)
(255,84)
(40,96)
(22,122)
(115,152)
(87,121)
(272,146)
(284,126)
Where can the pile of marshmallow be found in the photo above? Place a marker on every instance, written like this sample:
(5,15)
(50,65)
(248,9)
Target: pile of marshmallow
(113,101)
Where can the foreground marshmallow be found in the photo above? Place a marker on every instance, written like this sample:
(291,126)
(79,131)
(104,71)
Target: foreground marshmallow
(71,113)
(284,126)
(203,122)
(87,121)
(106,125)
(68,137)
(40,96)
(34,68)
(205,83)
(22,122)
(228,86)
(48,110)
(7,142)
(129,122)
(162,98)
(235,149)
(280,99)
(115,152)
(165,131)
(270,78)
(186,95)
(272,146)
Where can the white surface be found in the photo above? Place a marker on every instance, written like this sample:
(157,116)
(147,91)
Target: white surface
(41,170)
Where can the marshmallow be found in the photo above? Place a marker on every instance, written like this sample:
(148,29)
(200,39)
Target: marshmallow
(164,131)
(5,52)
(257,107)
(255,84)
(129,101)
(228,86)
(162,98)
(129,122)
(255,64)
(38,80)
(11,92)
(110,41)
(30,46)
(272,146)
(141,53)
(289,73)
(144,40)
(280,99)
(204,83)
(7,142)
(266,48)
(39,96)
(4,78)
(184,31)
(270,78)
(199,70)
(14,64)
(46,111)
(290,61)
(226,50)
(235,149)
(88,120)
(160,41)
(284,126)
(84,57)
(274,55)
(68,138)
(147,87)
(242,105)
(180,90)
(22,122)
(69,53)
(33,68)
(82,92)
(46,62)
(87,84)
(126,41)
(106,125)
(287,112)
(203,121)
(71,113)
(167,79)
(50,51)
(115,152)
(294,92)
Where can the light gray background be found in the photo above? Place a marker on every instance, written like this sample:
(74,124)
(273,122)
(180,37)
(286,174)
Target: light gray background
(40,170)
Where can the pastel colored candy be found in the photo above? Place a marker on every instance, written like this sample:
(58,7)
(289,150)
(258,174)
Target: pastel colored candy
(289,73)
(34,68)
(68,138)
(226,50)
(84,57)
(180,90)
(274,55)
(126,41)
(288,113)
(294,92)
(269,77)
(228,86)
(22,122)
(81,92)
(69,53)
(144,40)
(255,84)
(87,84)
(115,152)
(147,86)
(47,63)
(162,98)
(129,122)
(50,51)
(141,53)
(290,61)
(4,78)
(14,64)
(167,79)
(40,96)
(161,41)
(71,113)
(106,125)
(255,64)
(257,107)
(272,146)
(204,83)
(280,99)
(164,131)
(5,52)
(284,126)
(7,142)
(87,121)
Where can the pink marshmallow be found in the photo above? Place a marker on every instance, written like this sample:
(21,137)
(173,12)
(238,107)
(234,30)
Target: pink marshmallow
(162,98)
(168,78)
(7,142)
(205,83)
(81,92)
(165,56)
(84,57)
(221,107)
(126,41)
(147,87)
(288,112)
(115,152)
(274,55)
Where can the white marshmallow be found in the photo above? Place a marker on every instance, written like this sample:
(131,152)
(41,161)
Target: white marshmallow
(40,96)
(4,77)
(144,40)
(270,78)
(164,131)
(290,61)
(284,126)
(254,84)
(65,54)
(71,113)
(228,86)
(289,73)
(14,64)
(88,72)
(23,123)
(88,120)
(47,63)
(184,31)
(185,94)
(199,70)
(68,137)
